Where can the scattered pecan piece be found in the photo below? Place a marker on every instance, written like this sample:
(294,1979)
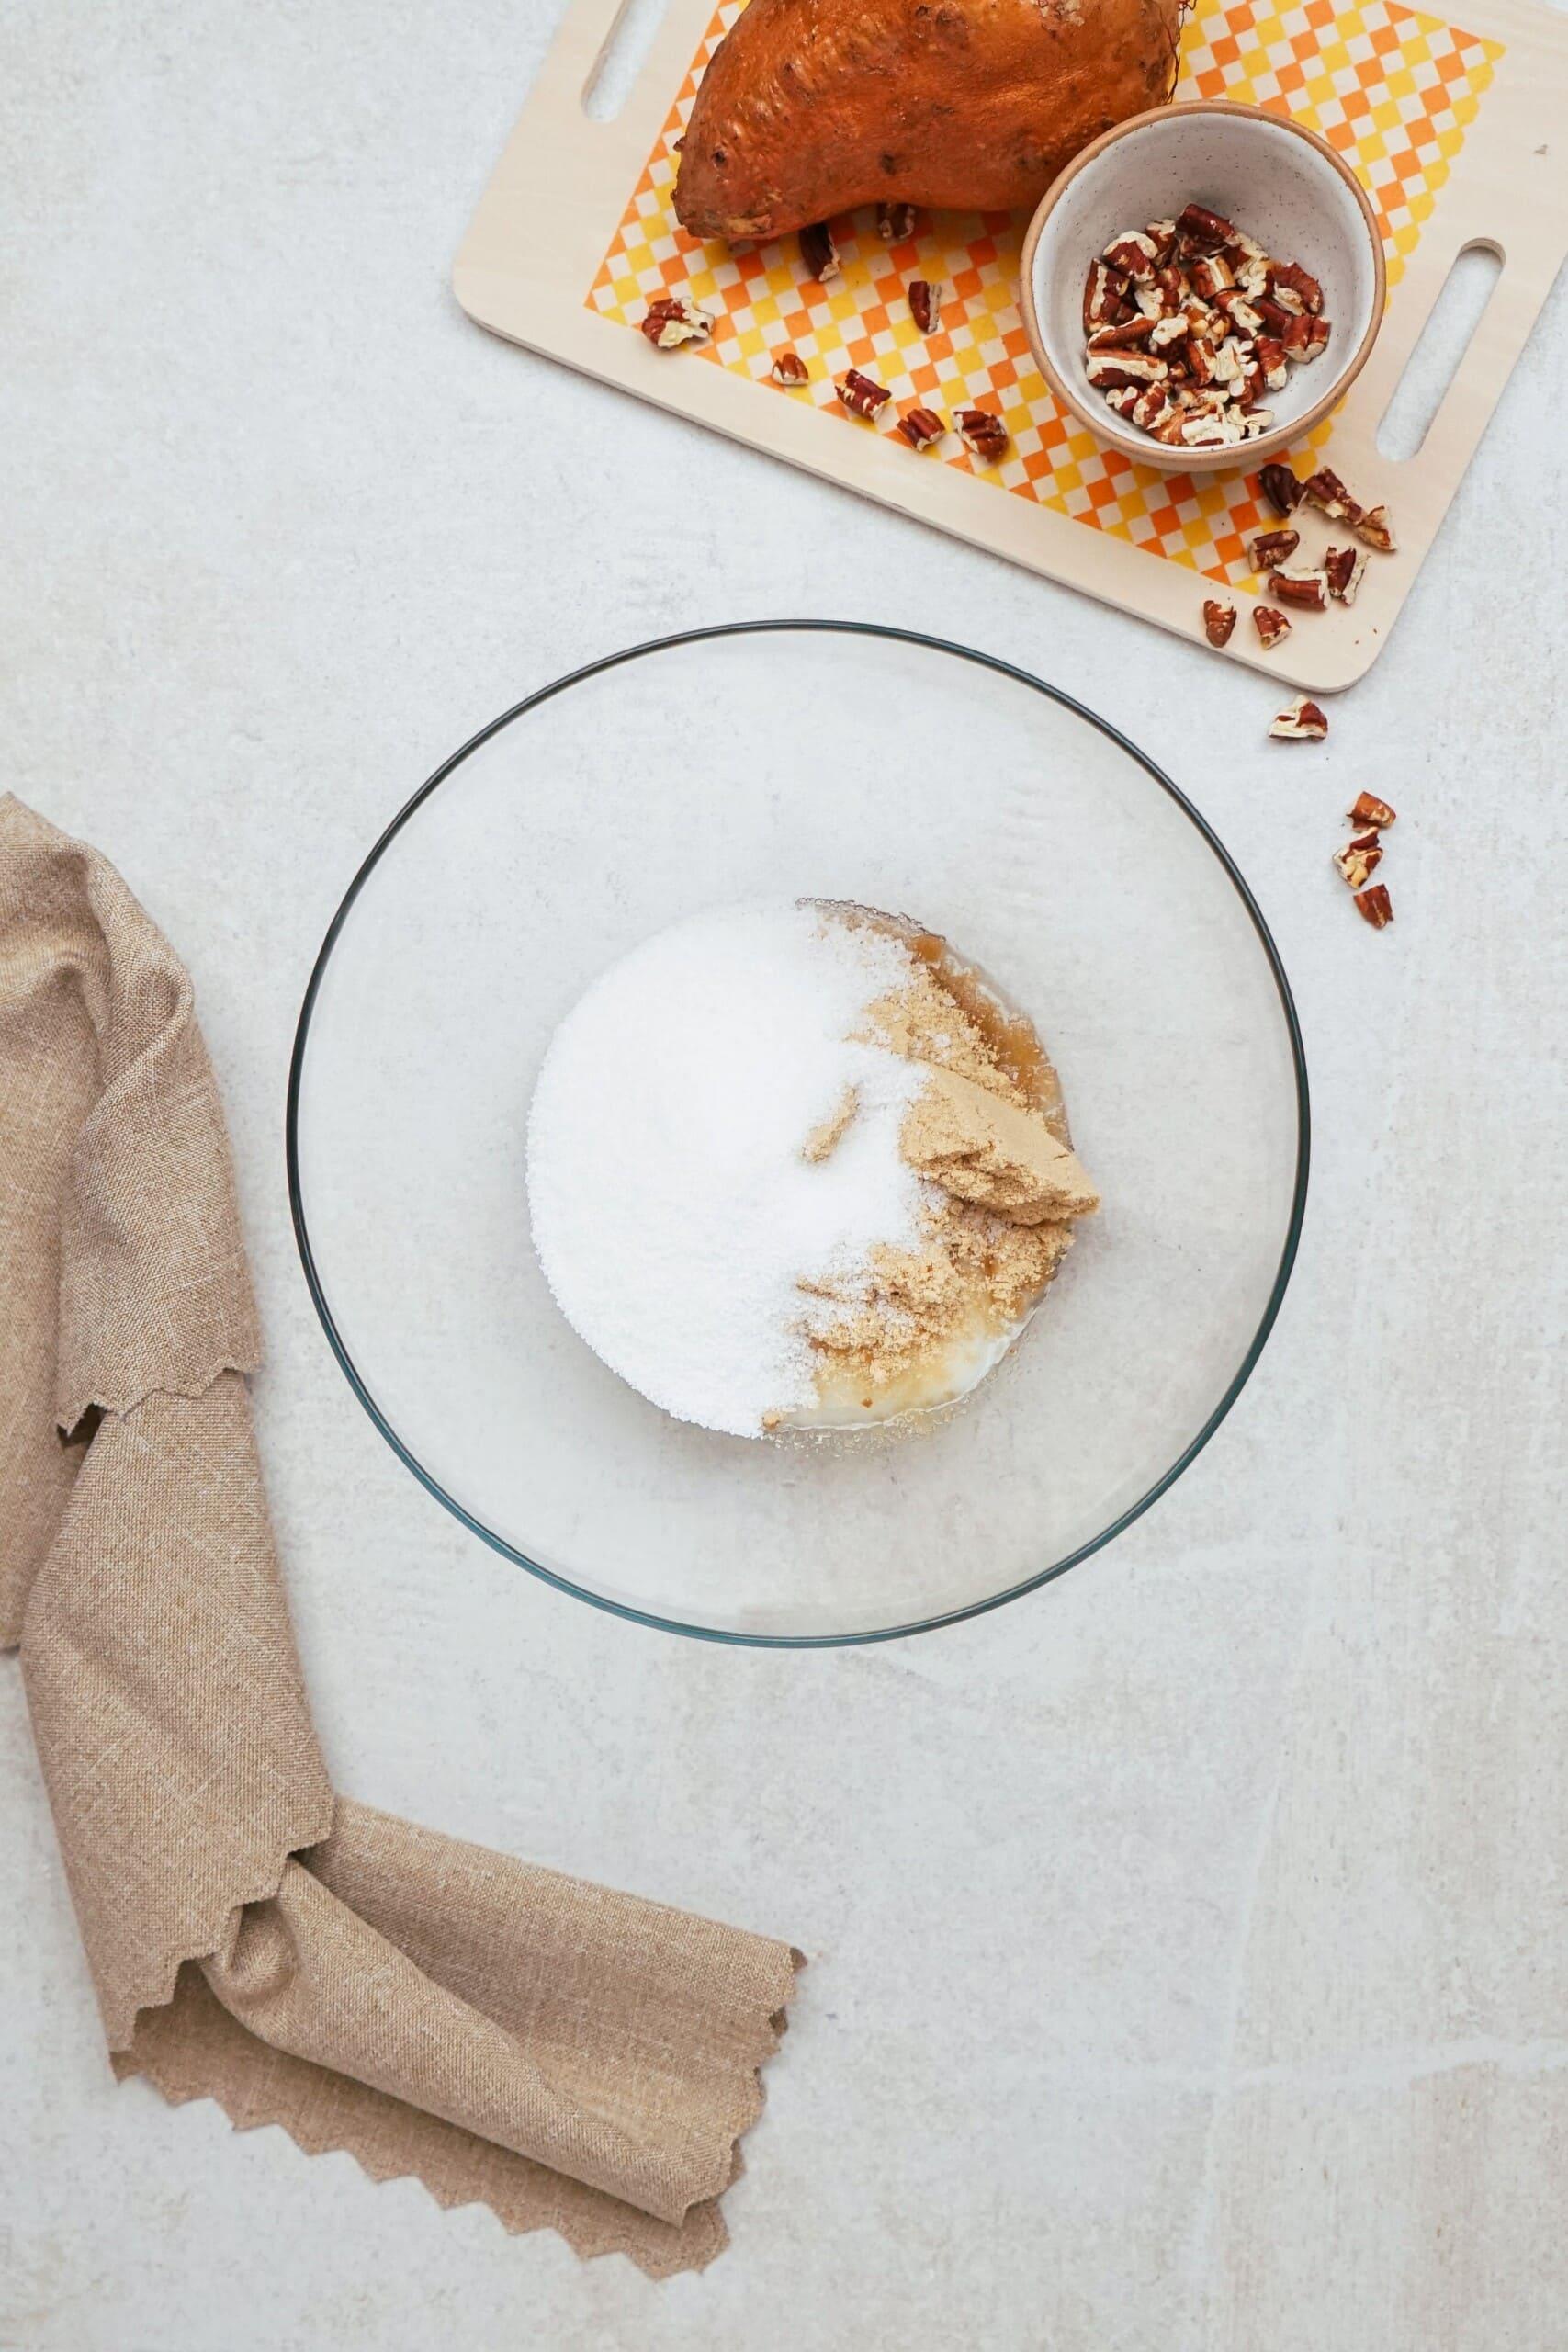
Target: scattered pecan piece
(789,368)
(863,394)
(925,304)
(1369,809)
(1359,858)
(1374,906)
(1271,547)
(920,427)
(982,433)
(1219,621)
(672,321)
(1302,721)
(894,222)
(1303,584)
(1271,625)
(1281,488)
(1324,490)
(1342,567)
(819,253)
(1376,527)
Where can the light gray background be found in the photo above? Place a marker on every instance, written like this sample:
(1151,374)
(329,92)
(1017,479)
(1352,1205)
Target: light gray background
(1187,1941)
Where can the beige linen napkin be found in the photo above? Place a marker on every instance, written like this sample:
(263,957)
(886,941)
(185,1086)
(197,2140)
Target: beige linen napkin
(570,2057)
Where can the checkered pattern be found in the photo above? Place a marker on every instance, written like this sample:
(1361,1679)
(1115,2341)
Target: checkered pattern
(1394,91)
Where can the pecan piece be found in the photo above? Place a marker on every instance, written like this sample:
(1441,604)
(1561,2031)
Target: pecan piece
(1288,279)
(1357,860)
(1135,254)
(1111,372)
(1206,231)
(1219,621)
(1211,274)
(1376,527)
(1271,547)
(1302,721)
(1303,584)
(982,433)
(789,368)
(1370,810)
(672,321)
(1106,296)
(862,394)
(1324,490)
(920,427)
(818,253)
(1127,337)
(1271,626)
(1374,906)
(1342,567)
(894,222)
(925,304)
(1281,488)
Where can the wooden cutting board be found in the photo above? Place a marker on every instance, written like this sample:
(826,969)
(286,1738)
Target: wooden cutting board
(1458,129)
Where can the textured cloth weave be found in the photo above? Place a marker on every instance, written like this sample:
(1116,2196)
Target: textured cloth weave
(574,2058)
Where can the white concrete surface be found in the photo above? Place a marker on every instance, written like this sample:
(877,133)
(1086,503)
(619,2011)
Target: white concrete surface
(1188,1957)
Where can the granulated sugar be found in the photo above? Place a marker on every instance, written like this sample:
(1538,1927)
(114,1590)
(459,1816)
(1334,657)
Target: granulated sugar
(674,1208)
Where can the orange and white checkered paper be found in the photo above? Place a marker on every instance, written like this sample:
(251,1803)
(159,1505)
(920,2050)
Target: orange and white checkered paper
(1393,90)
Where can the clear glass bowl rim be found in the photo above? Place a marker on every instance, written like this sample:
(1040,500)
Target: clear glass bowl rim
(1123,1519)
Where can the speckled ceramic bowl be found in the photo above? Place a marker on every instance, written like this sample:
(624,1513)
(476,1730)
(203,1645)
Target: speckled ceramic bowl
(1279,181)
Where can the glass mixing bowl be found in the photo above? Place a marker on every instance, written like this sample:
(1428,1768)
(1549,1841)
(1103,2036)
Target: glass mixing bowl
(800,759)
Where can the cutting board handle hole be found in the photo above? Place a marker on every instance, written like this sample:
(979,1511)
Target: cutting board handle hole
(622,59)
(1439,352)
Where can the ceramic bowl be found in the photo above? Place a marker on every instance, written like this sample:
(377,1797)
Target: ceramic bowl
(1279,181)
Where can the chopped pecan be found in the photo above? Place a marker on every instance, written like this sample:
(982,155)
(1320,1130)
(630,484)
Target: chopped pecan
(1271,626)
(1368,809)
(789,368)
(925,304)
(1302,721)
(1374,906)
(1150,407)
(1127,337)
(1376,527)
(1211,274)
(1219,621)
(1294,287)
(1109,371)
(1271,547)
(1303,584)
(1107,297)
(1358,859)
(1342,567)
(1281,488)
(1278,322)
(1206,231)
(894,222)
(819,253)
(1274,360)
(1135,254)
(1324,490)
(863,394)
(920,427)
(672,321)
(982,433)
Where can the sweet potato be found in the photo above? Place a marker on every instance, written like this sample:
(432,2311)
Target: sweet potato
(810,108)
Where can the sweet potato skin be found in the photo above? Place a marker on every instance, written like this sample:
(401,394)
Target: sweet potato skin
(810,108)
